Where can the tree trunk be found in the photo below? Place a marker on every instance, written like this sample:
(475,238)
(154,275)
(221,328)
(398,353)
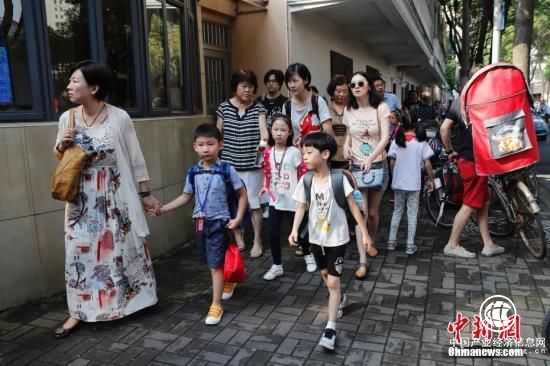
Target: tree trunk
(486,15)
(523,35)
(465,48)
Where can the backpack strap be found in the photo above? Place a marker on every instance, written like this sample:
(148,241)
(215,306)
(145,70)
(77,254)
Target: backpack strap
(315,106)
(191,173)
(308,181)
(337,178)
(288,105)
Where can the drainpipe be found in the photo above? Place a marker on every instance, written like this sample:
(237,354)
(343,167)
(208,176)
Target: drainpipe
(498,26)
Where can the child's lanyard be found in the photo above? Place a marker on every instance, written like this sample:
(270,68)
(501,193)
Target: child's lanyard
(199,221)
(280,163)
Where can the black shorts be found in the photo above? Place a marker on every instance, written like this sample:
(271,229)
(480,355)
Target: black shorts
(332,260)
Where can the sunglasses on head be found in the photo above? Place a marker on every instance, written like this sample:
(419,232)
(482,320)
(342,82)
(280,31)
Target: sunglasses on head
(359,84)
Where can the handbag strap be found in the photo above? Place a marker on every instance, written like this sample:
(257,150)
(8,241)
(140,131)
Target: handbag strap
(72,112)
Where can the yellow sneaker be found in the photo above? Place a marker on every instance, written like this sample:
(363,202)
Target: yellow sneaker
(228,289)
(214,315)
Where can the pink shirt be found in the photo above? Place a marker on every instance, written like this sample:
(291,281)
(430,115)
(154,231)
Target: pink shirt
(364,130)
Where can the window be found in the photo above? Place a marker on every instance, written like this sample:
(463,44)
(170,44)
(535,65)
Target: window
(340,65)
(69,42)
(151,47)
(171,34)
(118,38)
(15,82)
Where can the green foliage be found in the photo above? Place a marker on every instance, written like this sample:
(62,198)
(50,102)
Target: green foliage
(450,74)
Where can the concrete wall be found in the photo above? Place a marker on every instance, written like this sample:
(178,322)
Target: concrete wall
(31,222)
(312,39)
(259,41)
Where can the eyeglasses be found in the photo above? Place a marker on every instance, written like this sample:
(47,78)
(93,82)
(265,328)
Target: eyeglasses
(271,81)
(359,84)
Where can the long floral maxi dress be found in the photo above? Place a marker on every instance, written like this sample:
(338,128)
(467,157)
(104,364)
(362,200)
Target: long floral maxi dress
(108,270)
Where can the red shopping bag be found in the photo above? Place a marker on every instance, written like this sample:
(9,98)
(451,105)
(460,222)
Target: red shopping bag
(234,269)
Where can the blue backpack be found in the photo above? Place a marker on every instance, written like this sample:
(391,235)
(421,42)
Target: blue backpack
(224,171)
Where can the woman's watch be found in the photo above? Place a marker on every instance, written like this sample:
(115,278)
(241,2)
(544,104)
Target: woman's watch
(449,151)
(144,194)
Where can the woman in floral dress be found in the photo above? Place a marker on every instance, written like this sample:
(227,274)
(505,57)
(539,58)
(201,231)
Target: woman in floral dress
(108,270)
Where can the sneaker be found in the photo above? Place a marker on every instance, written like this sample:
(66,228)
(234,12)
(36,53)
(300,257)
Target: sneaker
(411,249)
(343,303)
(228,289)
(328,339)
(489,252)
(214,315)
(459,252)
(392,245)
(311,266)
(274,272)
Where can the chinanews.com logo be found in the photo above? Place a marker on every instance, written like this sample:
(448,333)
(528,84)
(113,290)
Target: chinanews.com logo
(495,332)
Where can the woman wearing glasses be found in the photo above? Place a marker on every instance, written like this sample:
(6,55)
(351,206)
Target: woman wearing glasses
(367,120)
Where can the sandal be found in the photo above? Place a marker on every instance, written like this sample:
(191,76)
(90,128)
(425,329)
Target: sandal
(361,271)
(256,252)
(372,251)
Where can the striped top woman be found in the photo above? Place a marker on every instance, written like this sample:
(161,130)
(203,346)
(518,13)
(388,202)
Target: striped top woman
(244,127)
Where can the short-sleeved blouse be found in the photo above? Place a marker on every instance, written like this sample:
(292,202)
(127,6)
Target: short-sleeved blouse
(241,135)
(364,129)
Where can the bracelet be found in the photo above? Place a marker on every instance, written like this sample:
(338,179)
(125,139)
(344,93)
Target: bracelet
(144,194)
(57,148)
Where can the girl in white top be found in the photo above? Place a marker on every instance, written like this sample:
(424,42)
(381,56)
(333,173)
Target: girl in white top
(407,152)
(283,160)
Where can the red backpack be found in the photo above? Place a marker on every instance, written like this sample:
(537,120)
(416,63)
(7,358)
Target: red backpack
(496,102)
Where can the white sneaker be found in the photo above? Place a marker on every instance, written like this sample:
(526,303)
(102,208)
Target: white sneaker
(458,251)
(392,245)
(411,249)
(328,339)
(275,271)
(311,266)
(489,252)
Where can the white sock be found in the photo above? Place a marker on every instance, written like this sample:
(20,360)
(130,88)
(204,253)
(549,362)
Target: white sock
(331,325)
(278,266)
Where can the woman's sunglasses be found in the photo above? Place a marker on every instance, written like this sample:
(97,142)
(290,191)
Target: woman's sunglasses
(359,84)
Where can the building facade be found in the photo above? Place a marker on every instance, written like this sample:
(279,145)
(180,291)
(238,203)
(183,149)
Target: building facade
(171,61)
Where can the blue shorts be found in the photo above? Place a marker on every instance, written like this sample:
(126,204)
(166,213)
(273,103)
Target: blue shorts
(212,243)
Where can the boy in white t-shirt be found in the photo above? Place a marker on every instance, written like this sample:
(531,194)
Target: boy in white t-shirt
(327,224)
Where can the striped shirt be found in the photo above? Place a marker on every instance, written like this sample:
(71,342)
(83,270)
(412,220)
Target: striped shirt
(241,135)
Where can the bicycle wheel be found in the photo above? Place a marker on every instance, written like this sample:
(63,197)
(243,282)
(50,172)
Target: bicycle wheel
(529,225)
(499,223)
(532,234)
(532,182)
(433,204)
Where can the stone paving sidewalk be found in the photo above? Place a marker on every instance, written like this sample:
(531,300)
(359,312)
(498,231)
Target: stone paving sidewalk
(398,316)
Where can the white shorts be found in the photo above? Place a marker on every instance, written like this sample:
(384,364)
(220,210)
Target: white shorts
(253,180)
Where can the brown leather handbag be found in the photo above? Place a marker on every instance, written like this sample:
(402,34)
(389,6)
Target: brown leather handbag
(66,178)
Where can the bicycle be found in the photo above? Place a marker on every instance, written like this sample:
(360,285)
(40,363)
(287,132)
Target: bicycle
(513,207)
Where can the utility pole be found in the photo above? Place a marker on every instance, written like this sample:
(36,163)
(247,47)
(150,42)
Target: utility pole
(498,27)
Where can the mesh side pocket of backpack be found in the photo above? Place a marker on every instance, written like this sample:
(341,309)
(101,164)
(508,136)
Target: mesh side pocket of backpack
(507,134)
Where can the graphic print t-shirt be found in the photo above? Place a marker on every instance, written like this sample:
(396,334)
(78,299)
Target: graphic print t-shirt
(327,224)
(364,129)
(284,177)
(272,106)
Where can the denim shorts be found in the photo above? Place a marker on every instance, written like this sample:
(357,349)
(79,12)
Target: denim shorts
(212,243)
(385,167)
